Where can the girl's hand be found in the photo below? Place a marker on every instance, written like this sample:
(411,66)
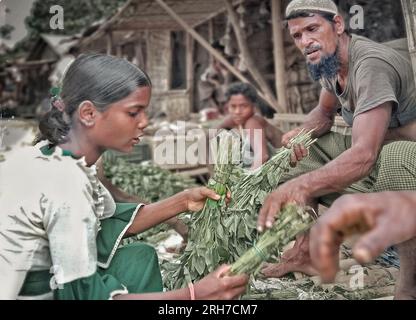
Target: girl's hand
(196,197)
(218,286)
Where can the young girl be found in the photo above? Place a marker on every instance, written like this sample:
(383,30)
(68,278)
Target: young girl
(258,134)
(60,229)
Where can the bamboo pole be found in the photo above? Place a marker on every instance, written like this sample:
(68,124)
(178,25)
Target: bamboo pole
(214,14)
(279,54)
(190,70)
(119,51)
(211,36)
(139,54)
(410,20)
(248,59)
(105,26)
(204,43)
(109,42)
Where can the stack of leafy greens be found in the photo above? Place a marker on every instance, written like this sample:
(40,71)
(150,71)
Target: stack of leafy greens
(147,181)
(229,231)
(291,221)
(201,257)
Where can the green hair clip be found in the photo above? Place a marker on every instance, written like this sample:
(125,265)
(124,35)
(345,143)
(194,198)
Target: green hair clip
(55,91)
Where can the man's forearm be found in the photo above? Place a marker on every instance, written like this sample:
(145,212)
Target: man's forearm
(319,120)
(351,166)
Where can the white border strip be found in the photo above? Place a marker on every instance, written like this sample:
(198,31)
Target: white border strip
(120,237)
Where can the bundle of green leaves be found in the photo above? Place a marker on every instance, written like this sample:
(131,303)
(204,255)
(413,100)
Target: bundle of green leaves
(205,244)
(291,221)
(225,233)
(248,193)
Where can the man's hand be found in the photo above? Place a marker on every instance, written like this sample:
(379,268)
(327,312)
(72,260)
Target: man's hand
(384,219)
(289,192)
(196,197)
(289,135)
(299,151)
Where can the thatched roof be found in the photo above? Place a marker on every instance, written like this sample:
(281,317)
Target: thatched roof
(59,44)
(148,14)
(50,47)
(143,15)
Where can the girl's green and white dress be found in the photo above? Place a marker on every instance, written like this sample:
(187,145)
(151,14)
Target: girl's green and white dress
(60,232)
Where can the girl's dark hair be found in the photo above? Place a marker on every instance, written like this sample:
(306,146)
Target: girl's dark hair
(99,78)
(245,89)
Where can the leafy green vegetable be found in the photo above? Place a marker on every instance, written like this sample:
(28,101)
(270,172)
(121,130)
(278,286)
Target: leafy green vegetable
(230,231)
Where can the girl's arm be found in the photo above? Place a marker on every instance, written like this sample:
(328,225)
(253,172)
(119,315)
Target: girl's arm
(155,213)
(216,285)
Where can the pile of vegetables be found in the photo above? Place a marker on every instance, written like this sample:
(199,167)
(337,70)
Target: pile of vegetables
(147,181)
(291,221)
(227,232)
(200,257)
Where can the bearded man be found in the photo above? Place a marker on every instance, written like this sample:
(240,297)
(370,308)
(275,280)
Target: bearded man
(373,87)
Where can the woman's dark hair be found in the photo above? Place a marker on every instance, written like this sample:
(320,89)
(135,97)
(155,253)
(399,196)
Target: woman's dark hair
(245,89)
(99,78)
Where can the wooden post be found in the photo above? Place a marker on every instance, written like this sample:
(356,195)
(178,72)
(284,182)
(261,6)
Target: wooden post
(138,53)
(248,59)
(119,51)
(204,43)
(104,28)
(211,36)
(169,61)
(409,12)
(190,70)
(109,42)
(279,53)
